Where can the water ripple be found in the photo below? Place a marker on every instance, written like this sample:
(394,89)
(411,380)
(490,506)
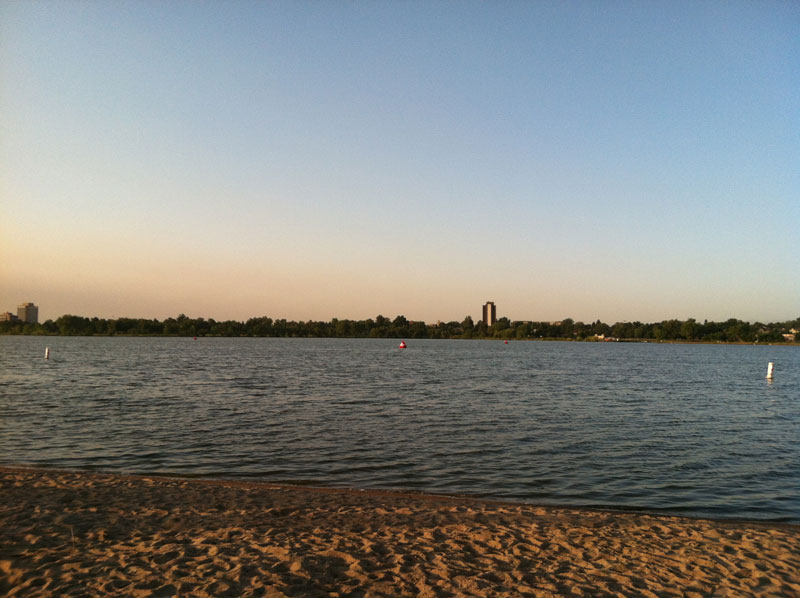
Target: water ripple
(672,428)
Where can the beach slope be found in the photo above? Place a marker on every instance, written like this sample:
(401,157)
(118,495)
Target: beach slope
(84,534)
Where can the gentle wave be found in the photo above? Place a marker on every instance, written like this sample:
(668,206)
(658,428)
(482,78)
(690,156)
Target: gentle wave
(691,429)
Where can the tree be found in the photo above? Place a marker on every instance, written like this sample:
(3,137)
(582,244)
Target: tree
(186,326)
(170,327)
(622,330)
(600,329)
(70,325)
(501,325)
(259,326)
(671,329)
(381,328)
(522,330)
(399,327)
(418,330)
(689,329)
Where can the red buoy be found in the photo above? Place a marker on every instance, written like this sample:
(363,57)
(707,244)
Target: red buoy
(402,344)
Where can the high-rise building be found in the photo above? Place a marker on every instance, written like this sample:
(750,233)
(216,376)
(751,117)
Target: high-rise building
(28,313)
(489,313)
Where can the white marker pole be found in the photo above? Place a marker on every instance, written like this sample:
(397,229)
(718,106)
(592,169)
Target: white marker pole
(47,352)
(770,367)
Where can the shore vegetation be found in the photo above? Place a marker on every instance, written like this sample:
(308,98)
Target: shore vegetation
(729,331)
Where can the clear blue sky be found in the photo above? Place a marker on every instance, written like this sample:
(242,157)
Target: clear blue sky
(310,160)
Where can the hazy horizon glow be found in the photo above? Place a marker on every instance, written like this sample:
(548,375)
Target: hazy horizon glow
(613,161)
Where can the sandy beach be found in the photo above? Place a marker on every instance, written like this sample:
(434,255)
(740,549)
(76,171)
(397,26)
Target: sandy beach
(84,534)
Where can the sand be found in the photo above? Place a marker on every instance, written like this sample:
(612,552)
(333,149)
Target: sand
(83,534)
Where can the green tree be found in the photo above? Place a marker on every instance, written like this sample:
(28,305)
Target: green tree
(467,327)
(671,328)
(499,327)
(598,328)
(418,330)
(69,325)
(186,326)
(689,329)
(622,330)
(170,327)
(381,327)
(399,327)
(259,326)
(522,330)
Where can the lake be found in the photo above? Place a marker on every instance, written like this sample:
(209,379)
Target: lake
(682,429)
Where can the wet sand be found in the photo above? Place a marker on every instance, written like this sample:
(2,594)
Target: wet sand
(83,534)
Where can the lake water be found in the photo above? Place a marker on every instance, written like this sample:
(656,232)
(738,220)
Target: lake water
(686,429)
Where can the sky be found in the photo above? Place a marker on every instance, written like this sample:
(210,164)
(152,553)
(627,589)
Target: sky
(618,161)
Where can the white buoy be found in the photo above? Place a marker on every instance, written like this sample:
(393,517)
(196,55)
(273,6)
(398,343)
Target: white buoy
(47,352)
(770,367)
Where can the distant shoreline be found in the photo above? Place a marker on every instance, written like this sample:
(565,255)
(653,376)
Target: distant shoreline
(731,331)
(398,338)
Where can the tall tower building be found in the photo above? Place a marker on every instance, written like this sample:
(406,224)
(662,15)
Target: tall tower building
(489,313)
(28,313)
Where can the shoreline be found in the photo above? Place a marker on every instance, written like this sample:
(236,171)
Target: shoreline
(71,533)
(422,495)
(650,341)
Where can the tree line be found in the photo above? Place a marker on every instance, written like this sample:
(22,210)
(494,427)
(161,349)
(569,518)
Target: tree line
(730,331)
